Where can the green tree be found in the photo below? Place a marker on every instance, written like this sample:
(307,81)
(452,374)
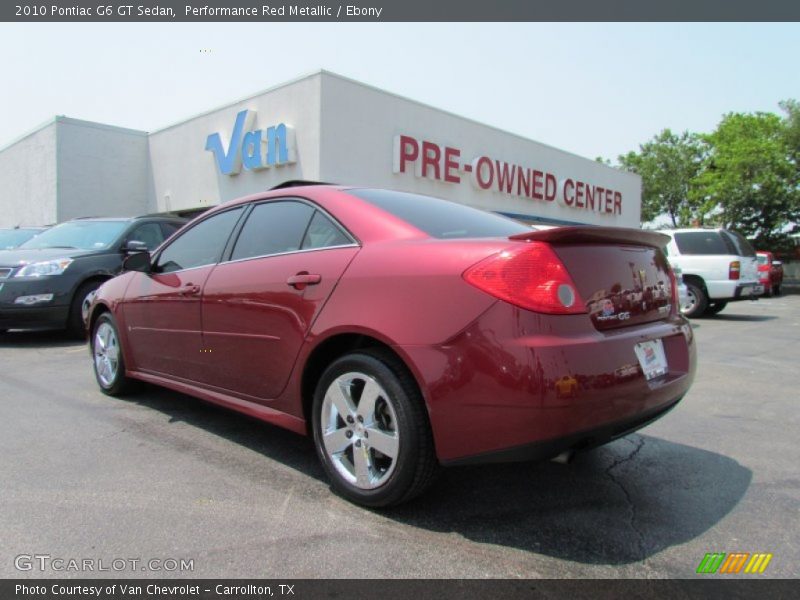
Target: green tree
(668,165)
(792,130)
(750,178)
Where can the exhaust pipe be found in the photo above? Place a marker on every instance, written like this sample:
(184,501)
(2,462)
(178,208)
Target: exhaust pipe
(564,458)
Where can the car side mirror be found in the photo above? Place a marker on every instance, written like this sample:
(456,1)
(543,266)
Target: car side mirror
(133,246)
(139,261)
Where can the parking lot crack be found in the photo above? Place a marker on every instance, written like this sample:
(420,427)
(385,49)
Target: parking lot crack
(638,443)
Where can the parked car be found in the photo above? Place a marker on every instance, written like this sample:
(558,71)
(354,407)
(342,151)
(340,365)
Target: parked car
(770,272)
(400,331)
(718,266)
(49,281)
(11,238)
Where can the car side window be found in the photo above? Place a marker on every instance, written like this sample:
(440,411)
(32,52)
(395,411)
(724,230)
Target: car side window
(169,228)
(273,228)
(150,234)
(201,245)
(323,233)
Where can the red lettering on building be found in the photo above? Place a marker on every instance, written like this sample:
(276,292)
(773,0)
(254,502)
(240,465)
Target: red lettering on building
(431,156)
(406,150)
(569,196)
(523,182)
(443,163)
(537,185)
(477,172)
(505,178)
(550,187)
(451,165)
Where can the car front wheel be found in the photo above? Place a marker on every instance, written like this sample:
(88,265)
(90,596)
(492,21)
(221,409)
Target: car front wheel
(107,358)
(371,430)
(79,308)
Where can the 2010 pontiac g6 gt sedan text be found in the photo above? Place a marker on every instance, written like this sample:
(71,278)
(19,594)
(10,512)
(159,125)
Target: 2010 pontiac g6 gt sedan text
(403,332)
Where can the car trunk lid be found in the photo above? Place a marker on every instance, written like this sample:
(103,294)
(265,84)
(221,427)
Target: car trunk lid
(621,275)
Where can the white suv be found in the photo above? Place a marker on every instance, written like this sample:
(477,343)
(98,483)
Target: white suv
(718,266)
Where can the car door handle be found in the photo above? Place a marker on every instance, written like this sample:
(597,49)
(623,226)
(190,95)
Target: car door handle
(302,279)
(189,290)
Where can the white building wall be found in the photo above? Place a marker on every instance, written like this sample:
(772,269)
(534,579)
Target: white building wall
(360,124)
(102,170)
(28,179)
(185,174)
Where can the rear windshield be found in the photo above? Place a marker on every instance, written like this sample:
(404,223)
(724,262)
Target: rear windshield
(440,218)
(743,247)
(704,242)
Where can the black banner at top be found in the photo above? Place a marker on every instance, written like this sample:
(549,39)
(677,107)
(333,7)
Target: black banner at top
(393,10)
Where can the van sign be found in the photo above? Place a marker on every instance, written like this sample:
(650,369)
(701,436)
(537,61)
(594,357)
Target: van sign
(253,149)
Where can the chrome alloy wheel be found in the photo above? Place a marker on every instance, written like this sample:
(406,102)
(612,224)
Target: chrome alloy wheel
(106,354)
(359,430)
(691,301)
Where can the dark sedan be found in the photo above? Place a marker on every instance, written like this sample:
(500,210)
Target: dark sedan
(49,281)
(401,331)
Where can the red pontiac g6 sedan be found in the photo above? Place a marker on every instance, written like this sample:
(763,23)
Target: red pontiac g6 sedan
(403,332)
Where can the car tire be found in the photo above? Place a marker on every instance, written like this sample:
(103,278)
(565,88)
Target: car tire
(698,300)
(395,464)
(715,308)
(107,358)
(76,324)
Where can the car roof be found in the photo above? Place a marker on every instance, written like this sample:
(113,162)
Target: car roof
(691,229)
(156,217)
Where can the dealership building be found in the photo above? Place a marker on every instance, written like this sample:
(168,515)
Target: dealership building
(322,127)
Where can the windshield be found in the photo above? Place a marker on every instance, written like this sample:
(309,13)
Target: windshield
(11,238)
(83,235)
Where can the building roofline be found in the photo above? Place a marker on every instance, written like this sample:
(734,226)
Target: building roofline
(29,133)
(272,88)
(324,72)
(72,121)
(98,125)
(468,119)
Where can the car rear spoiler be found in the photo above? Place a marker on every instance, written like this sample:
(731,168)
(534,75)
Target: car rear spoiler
(595,235)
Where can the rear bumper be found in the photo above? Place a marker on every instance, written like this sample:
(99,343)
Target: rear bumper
(517,385)
(577,442)
(731,291)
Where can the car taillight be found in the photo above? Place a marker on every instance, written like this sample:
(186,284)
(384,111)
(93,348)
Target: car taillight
(734,269)
(530,276)
(673,280)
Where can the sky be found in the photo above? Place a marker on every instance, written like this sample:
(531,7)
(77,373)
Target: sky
(591,89)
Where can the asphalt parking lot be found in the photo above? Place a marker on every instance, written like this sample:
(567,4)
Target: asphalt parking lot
(163,476)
